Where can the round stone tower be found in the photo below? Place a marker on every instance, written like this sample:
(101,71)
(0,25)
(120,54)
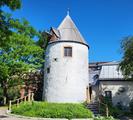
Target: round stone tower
(66,74)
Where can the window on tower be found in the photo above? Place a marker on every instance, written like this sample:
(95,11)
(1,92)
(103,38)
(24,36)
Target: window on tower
(68,51)
(48,70)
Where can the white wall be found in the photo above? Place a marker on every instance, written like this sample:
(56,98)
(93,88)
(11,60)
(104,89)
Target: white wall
(68,77)
(117,96)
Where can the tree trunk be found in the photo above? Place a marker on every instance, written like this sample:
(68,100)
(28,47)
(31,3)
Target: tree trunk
(5,94)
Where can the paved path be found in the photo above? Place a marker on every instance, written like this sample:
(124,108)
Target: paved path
(126,118)
(4,116)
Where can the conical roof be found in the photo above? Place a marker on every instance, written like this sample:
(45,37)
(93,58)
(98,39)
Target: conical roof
(68,31)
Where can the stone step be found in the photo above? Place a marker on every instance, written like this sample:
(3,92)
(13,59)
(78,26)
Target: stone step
(92,105)
(94,108)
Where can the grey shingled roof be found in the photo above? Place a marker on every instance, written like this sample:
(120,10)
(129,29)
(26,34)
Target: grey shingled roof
(111,71)
(69,31)
(105,70)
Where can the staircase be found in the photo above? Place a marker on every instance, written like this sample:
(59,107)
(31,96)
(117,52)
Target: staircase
(93,106)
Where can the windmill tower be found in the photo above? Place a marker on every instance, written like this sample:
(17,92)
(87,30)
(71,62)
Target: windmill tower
(66,65)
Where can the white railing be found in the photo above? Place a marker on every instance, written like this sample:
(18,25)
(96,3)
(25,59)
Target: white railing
(29,97)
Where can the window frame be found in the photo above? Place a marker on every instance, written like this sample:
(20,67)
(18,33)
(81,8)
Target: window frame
(68,54)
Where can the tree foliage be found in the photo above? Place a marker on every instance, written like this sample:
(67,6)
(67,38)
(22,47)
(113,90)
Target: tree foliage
(19,53)
(126,64)
(12,4)
(5,18)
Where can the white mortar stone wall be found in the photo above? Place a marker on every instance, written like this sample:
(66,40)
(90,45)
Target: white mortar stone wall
(114,86)
(68,77)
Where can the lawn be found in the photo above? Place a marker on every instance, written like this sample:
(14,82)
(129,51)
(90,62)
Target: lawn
(52,110)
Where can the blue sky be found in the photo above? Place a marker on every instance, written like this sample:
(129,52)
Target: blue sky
(103,23)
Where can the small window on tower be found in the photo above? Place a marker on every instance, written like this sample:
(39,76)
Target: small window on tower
(48,70)
(68,51)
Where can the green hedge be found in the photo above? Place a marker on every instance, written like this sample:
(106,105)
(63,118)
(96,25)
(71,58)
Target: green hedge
(52,110)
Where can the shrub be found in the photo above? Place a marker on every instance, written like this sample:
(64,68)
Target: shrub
(52,110)
(113,110)
(13,93)
(131,106)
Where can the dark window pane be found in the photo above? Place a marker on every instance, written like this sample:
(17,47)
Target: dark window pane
(68,51)
(108,94)
(48,70)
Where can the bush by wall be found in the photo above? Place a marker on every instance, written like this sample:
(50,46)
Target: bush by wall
(113,110)
(131,106)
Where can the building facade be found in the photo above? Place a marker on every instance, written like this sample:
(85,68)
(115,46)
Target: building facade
(66,64)
(69,78)
(107,80)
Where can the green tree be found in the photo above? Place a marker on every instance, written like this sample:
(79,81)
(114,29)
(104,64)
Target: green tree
(5,26)
(19,53)
(12,4)
(20,56)
(126,64)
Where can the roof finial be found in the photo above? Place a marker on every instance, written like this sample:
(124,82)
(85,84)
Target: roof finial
(68,11)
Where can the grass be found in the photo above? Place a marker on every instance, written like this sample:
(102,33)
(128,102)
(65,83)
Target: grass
(52,110)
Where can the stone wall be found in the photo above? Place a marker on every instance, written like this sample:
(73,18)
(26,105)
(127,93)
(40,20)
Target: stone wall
(122,91)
